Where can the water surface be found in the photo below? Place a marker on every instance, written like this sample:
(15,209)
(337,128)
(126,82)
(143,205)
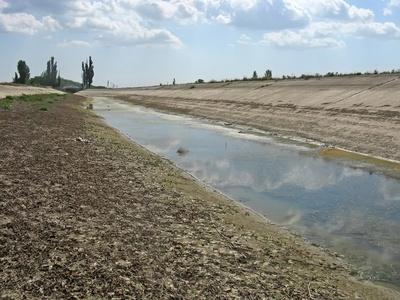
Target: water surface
(341,207)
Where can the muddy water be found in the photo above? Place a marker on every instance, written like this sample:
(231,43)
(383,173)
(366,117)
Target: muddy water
(334,204)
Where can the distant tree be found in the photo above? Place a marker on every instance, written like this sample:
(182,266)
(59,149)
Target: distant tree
(173,82)
(51,76)
(90,73)
(84,76)
(87,73)
(255,76)
(24,73)
(268,74)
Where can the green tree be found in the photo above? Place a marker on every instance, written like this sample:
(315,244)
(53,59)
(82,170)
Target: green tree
(90,74)
(84,76)
(51,76)
(87,73)
(268,74)
(255,75)
(24,73)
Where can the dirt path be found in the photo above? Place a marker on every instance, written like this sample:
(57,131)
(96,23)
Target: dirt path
(85,213)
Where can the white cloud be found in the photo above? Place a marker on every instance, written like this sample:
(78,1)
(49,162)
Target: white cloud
(389,9)
(257,14)
(50,24)
(140,36)
(337,10)
(66,43)
(330,35)
(244,39)
(394,3)
(3,5)
(19,23)
(387,30)
(224,19)
(108,21)
(183,11)
(285,23)
(120,24)
(292,40)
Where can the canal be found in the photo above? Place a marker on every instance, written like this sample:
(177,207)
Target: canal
(336,204)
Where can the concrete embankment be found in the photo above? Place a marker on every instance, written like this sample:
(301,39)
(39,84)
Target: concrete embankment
(357,113)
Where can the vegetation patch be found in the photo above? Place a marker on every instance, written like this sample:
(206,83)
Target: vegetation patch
(6,105)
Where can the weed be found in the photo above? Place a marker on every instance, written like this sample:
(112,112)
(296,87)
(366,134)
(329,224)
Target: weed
(6,105)
(9,97)
(50,101)
(35,98)
(44,108)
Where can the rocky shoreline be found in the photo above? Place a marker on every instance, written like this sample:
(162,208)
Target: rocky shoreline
(86,213)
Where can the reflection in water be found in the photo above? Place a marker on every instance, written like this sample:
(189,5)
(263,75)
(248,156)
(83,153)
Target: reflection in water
(345,209)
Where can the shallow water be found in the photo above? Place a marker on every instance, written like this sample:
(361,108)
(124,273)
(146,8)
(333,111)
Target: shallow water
(343,208)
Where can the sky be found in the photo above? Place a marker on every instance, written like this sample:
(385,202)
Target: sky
(147,42)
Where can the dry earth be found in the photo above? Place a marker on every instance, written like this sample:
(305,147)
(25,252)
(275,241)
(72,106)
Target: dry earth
(87,214)
(15,90)
(357,113)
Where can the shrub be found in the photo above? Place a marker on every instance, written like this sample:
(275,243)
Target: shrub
(44,108)
(6,105)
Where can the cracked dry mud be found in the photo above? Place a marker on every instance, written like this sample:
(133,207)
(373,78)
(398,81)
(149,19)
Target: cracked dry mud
(87,214)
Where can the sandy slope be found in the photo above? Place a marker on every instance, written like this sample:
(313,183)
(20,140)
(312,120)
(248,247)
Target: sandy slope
(358,113)
(16,90)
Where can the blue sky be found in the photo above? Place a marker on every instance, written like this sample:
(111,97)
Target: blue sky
(148,42)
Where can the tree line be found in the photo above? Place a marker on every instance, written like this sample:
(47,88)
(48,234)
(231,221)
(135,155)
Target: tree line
(51,76)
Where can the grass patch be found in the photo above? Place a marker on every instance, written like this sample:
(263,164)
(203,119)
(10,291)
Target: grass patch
(35,98)
(6,102)
(6,105)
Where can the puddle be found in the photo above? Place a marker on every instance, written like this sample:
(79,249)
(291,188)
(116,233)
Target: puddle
(346,209)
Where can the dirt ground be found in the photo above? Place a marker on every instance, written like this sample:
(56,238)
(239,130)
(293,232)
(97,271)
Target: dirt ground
(16,89)
(87,214)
